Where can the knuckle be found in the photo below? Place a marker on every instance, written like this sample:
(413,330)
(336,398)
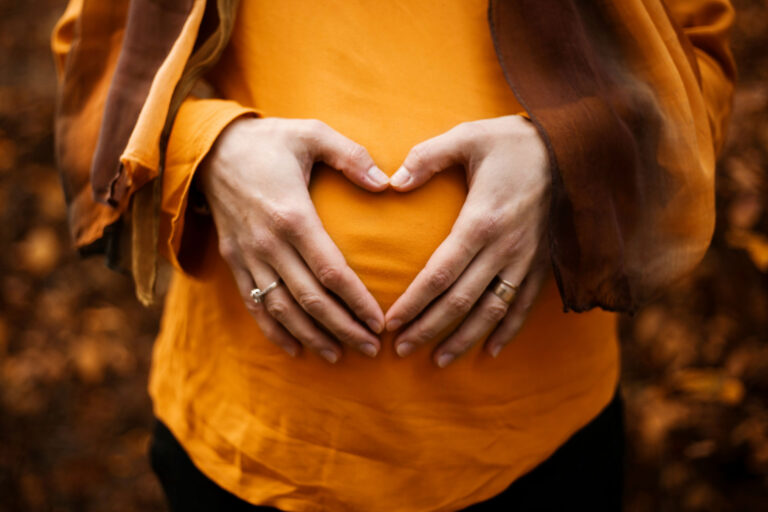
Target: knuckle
(439,280)
(311,302)
(411,310)
(494,312)
(356,302)
(476,132)
(330,276)
(511,245)
(262,244)
(227,249)
(463,129)
(355,154)
(251,306)
(509,250)
(278,309)
(315,130)
(458,303)
(459,345)
(315,126)
(487,226)
(314,342)
(463,238)
(345,335)
(469,134)
(286,221)
(418,156)
(424,333)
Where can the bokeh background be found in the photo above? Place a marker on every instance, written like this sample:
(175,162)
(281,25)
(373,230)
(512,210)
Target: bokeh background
(75,344)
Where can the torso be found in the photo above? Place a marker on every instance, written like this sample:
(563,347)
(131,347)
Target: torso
(399,433)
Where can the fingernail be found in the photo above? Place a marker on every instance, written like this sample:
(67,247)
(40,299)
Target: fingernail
(495,350)
(374,324)
(330,355)
(404,349)
(444,360)
(291,351)
(393,324)
(400,178)
(377,176)
(369,350)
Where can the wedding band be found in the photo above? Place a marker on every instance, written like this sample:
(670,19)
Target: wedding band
(505,290)
(257,294)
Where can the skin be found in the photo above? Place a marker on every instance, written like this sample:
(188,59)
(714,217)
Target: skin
(255,179)
(499,231)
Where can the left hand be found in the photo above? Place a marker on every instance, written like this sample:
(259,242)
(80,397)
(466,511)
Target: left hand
(499,231)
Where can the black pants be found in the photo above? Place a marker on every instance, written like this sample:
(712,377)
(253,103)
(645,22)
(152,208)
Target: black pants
(584,473)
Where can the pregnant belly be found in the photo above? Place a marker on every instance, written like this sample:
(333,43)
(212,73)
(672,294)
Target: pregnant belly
(387,237)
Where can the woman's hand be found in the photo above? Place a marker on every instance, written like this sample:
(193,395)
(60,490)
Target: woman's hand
(499,231)
(255,180)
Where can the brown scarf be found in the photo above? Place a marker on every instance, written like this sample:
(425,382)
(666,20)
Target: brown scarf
(633,172)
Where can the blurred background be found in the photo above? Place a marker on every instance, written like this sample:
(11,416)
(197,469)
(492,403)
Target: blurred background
(75,344)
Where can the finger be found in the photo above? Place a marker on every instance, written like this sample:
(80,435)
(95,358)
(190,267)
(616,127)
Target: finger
(490,310)
(306,233)
(456,303)
(280,305)
(316,301)
(271,329)
(431,156)
(441,270)
(348,156)
(519,310)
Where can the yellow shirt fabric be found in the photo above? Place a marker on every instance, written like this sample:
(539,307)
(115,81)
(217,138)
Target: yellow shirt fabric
(383,434)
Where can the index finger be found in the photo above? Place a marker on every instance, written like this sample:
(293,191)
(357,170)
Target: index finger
(442,269)
(330,267)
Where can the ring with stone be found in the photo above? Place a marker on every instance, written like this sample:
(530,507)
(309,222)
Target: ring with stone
(257,293)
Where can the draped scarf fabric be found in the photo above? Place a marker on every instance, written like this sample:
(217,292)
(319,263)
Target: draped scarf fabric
(633,179)
(610,84)
(150,53)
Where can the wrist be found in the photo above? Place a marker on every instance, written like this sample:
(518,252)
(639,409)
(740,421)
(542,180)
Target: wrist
(205,174)
(208,175)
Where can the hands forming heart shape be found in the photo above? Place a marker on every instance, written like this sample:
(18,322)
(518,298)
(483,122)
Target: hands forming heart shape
(256,178)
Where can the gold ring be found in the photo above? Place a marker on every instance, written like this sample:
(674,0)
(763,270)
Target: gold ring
(505,290)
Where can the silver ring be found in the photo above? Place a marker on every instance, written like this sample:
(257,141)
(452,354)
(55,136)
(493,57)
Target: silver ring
(257,294)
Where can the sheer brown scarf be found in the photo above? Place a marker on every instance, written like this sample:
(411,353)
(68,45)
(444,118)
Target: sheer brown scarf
(612,86)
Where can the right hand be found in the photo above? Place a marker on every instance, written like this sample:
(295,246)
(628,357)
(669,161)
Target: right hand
(255,180)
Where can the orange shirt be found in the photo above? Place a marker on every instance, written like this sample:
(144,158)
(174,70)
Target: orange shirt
(383,434)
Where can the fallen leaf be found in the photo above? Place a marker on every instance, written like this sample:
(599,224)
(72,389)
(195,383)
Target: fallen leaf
(709,385)
(39,252)
(755,244)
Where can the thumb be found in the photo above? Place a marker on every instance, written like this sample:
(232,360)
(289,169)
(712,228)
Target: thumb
(349,157)
(430,157)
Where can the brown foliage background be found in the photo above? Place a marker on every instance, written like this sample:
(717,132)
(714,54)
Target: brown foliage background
(75,344)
